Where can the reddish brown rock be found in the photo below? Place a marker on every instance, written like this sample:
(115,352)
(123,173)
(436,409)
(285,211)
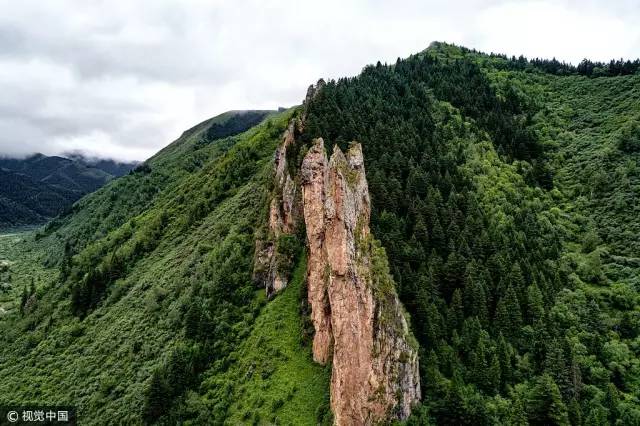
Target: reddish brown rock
(358,319)
(359,322)
(284,211)
(270,270)
(314,182)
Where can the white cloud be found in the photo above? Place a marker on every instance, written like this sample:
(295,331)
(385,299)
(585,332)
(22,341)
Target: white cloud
(557,29)
(124,78)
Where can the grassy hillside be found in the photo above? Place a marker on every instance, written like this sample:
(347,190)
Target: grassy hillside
(272,379)
(194,243)
(504,192)
(19,269)
(154,181)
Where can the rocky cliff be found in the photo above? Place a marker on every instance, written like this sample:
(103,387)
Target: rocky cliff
(315,180)
(271,265)
(358,319)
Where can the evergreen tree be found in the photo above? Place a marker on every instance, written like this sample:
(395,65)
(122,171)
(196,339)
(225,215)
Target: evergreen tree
(437,236)
(556,366)
(479,366)
(435,324)
(515,277)
(505,357)
(598,416)
(508,316)
(545,404)
(575,412)
(612,399)
(518,415)
(501,319)
(471,330)
(494,375)
(456,311)
(535,304)
(479,303)
(23,299)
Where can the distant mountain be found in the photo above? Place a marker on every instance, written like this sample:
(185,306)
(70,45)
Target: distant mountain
(39,187)
(25,200)
(113,167)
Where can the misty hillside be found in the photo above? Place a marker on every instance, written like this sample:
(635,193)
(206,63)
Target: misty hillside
(38,187)
(494,247)
(113,167)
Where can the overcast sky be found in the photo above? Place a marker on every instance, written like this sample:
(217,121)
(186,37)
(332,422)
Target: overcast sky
(123,78)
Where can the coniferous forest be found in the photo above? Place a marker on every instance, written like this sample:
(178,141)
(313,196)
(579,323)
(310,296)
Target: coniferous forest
(504,192)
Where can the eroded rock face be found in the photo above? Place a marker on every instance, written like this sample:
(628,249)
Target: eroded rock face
(314,183)
(284,211)
(358,319)
(285,208)
(359,323)
(312,91)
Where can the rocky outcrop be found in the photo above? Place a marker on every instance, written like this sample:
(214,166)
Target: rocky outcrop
(314,176)
(358,319)
(359,324)
(284,213)
(271,269)
(312,91)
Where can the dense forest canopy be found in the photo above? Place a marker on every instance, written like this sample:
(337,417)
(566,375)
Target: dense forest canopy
(586,67)
(464,203)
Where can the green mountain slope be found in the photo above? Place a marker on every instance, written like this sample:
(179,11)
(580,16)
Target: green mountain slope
(154,181)
(504,192)
(272,378)
(38,187)
(482,238)
(98,355)
(58,171)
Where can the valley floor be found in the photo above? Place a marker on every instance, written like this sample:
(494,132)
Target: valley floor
(18,267)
